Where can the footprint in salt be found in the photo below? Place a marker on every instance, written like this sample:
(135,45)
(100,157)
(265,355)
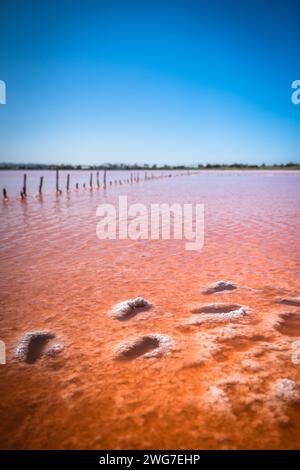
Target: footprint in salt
(130,308)
(289,324)
(217,308)
(33,345)
(218,312)
(292,301)
(147,346)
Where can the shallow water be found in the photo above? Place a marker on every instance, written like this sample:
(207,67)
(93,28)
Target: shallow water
(216,385)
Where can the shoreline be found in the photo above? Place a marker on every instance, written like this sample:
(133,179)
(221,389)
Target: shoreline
(146,169)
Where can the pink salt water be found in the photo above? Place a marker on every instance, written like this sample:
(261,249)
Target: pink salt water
(221,385)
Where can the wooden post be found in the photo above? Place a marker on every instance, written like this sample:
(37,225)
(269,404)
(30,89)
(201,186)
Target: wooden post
(41,184)
(83,185)
(57,180)
(68,183)
(91,181)
(5,194)
(24,190)
(104,179)
(98,183)
(131,178)
(145,176)
(77,185)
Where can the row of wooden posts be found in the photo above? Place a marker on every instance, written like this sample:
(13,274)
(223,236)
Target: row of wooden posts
(134,178)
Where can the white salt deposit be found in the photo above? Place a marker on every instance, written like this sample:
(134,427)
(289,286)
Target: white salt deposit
(287,390)
(217,401)
(228,333)
(220,286)
(220,317)
(129,307)
(251,365)
(54,350)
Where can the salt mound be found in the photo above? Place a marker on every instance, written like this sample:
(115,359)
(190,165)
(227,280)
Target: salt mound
(251,365)
(54,350)
(32,345)
(217,394)
(148,346)
(217,401)
(287,390)
(227,333)
(129,308)
(220,286)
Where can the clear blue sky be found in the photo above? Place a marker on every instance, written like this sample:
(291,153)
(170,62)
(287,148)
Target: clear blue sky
(149,81)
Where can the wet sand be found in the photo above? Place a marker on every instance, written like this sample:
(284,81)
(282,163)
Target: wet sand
(226,382)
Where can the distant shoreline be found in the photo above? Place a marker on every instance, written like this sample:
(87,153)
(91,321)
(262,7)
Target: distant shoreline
(124,167)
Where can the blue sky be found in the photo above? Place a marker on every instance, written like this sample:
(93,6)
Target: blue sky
(149,81)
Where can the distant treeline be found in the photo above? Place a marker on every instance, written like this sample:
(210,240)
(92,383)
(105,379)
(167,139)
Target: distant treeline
(145,167)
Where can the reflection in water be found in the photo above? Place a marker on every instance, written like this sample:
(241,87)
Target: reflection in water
(227,384)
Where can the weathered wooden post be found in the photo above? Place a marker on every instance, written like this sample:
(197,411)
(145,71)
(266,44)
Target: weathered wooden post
(24,190)
(5,194)
(104,179)
(145,176)
(41,184)
(131,178)
(91,181)
(98,183)
(83,185)
(57,180)
(77,186)
(68,183)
